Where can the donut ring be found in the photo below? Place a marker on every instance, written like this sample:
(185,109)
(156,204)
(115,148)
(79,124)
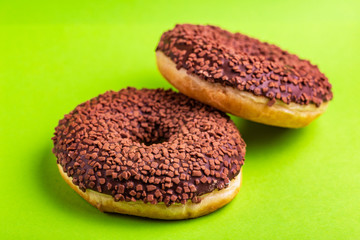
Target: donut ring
(150,153)
(243,76)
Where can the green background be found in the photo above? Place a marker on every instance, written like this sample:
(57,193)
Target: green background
(297,184)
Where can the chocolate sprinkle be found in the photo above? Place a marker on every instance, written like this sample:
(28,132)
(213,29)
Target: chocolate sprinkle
(149,145)
(245,63)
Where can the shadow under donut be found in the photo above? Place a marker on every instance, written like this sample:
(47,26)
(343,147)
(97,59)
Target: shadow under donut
(260,137)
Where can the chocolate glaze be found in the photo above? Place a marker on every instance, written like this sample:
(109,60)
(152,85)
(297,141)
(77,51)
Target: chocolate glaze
(245,63)
(149,145)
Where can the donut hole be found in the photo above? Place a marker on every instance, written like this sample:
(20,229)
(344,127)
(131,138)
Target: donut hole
(156,134)
(155,137)
(155,141)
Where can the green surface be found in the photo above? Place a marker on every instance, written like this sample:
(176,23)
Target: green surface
(297,184)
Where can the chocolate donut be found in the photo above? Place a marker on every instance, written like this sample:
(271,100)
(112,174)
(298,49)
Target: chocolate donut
(243,76)
(150,153)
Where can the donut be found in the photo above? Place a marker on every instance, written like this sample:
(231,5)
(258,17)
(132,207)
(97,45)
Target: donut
(243,76)
(151,152)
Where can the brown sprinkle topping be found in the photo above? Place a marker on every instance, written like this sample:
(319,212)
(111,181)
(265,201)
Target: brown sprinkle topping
(245,63)
(148,145)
